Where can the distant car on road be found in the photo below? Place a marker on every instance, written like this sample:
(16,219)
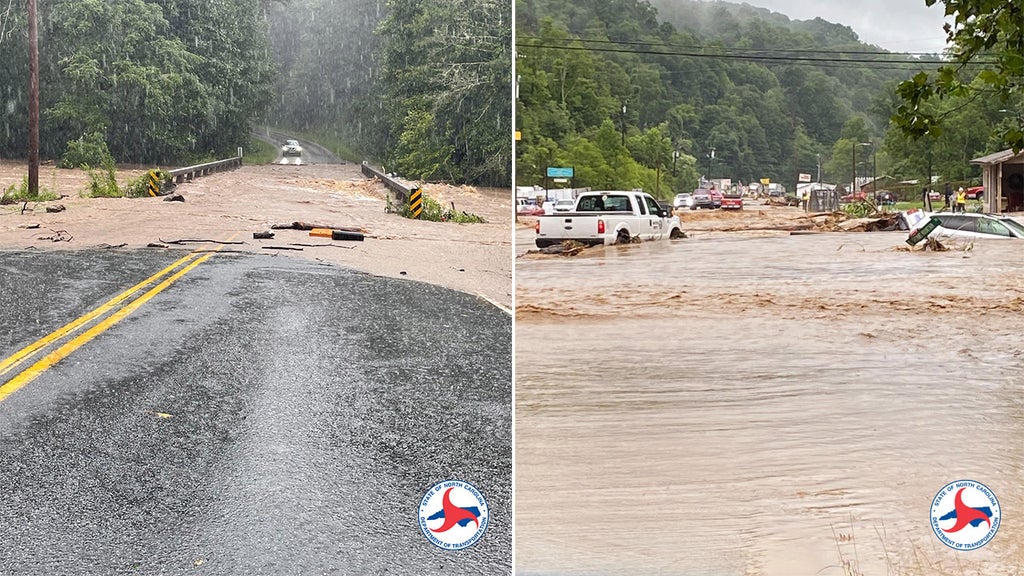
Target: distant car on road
(529,210)
(291,148)
(732,201)
(975,192)
(565,205)
(706,198)
(683,200)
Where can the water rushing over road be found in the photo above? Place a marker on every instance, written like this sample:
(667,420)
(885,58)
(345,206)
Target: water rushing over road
(776,405)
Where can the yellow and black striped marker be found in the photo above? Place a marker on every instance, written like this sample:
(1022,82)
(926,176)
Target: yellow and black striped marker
(416,202)
(154,183)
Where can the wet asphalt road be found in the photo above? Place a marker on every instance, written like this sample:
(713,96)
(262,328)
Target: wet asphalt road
(310,409)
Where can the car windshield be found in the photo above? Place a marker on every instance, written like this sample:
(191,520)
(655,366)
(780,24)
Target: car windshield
(1012,224)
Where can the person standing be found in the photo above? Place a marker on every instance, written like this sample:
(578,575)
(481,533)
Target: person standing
(961,200)
(949,196)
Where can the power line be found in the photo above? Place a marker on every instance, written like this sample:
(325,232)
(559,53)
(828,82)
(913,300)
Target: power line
(733,49)
(767,55)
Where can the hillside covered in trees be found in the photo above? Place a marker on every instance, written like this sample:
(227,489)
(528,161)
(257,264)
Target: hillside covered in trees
(422,86)
(634,96)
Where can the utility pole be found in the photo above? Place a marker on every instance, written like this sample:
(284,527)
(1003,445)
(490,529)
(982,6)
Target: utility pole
(854,184)
(623,124)
(33,101)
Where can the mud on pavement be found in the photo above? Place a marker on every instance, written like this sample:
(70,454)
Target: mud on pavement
(234,205)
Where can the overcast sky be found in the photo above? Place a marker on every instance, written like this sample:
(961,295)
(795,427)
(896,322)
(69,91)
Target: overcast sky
(896,25)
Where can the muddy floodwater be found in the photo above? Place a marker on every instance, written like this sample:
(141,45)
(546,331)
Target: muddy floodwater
(766,405)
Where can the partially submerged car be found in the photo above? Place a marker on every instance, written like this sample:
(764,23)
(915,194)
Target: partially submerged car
(970,225)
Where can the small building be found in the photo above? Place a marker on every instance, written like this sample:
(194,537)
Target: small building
(1003,180)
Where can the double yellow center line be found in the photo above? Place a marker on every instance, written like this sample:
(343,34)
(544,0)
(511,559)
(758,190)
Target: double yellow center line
(122,305)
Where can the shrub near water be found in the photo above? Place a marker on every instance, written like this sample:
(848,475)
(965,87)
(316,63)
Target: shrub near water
(103,183)
(434,212)
(15,193)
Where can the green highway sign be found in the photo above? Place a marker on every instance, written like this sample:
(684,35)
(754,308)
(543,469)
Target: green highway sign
(923,231)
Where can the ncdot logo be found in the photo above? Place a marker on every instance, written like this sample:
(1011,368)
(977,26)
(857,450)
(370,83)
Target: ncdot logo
(965,515)
(453,515)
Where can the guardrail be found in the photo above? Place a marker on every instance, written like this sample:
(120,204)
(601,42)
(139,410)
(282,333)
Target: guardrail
(190,173)
(400,190)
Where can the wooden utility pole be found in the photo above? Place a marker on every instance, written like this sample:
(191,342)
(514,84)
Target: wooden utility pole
(33,101)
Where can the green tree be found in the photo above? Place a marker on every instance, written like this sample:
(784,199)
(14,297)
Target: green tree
(451,59)
(985,33)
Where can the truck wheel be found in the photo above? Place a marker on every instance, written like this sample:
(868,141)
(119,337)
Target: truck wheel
(676,233)
(544,243)
(623,237)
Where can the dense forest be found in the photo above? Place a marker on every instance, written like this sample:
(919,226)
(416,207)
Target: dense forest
(634,96)
(424,87)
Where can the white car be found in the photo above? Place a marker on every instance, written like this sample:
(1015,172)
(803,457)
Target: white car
(963,225)
(291,148)
(683,200)
(565,205)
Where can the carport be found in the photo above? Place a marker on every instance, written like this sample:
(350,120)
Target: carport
(1003,179)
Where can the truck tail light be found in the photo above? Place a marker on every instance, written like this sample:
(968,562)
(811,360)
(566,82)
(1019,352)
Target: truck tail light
(536,227)
(600,226)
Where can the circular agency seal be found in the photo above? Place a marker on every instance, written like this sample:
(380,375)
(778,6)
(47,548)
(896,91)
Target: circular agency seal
(965,515)
(453,515)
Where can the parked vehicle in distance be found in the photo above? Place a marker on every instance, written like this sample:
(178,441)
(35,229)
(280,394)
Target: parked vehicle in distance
(975,192)
(291,148)
(682,200)
(858,196)
(716,198)
(565,205)
(527,209)
(885,198)
(963,225)
(609,217)
(706,198)
(732,201)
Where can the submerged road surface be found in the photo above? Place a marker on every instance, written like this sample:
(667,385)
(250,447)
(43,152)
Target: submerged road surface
(254,415)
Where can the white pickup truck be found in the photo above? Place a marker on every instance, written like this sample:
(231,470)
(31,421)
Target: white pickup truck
(609,218)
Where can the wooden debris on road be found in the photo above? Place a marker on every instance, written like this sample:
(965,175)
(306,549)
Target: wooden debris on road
(55,209)
(200,241)
(309,226)
(58,236)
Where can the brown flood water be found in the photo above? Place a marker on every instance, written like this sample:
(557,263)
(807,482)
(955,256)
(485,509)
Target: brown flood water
(768,405)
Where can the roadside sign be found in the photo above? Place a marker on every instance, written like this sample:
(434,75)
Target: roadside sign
(923,231)
(554,172)
(805,177)
(561,180)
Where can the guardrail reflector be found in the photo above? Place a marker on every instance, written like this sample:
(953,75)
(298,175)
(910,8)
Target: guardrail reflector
(154,184)
(416,202)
